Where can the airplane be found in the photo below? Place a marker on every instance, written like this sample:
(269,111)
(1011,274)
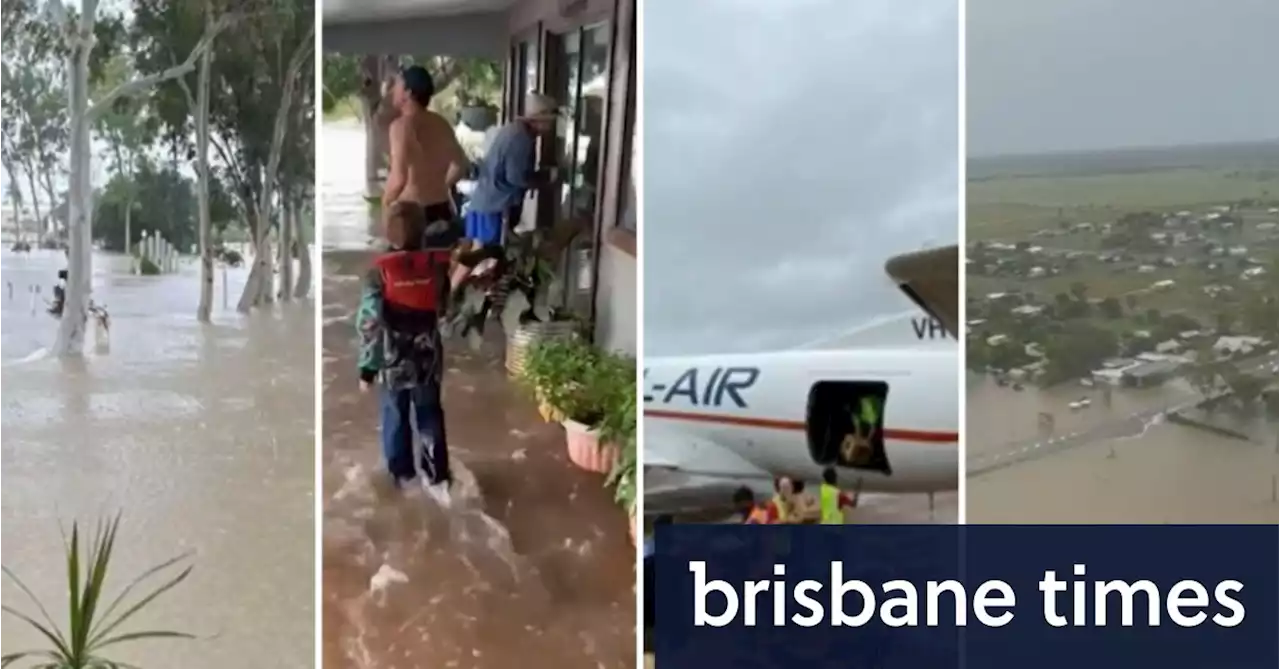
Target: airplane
(714,423)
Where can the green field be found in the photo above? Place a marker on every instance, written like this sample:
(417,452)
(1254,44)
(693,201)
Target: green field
(1014,206)
(348,107)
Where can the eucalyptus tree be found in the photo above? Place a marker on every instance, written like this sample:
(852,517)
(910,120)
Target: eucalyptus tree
(232,119)
(128,130)
(79,39)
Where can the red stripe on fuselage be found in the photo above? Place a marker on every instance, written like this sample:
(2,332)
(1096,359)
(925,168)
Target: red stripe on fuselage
(923,436)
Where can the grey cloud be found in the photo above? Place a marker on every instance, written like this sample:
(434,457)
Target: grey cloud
(790,149)
(1085,74)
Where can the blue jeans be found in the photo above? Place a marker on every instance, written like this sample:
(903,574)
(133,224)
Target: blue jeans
(399,409)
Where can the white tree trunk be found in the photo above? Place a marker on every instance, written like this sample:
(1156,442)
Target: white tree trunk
(75,312)
(128,230)
(289,223)
(51,194)
(259,284)
(35,202)
(16,200)
(303,287)
(204,311)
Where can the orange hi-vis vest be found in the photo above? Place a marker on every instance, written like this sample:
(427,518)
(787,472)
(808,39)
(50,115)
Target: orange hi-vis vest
(759,515)
(409,279)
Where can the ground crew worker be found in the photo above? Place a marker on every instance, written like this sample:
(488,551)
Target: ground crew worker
(751,513)
(833,501)
(782,506)
(805,505)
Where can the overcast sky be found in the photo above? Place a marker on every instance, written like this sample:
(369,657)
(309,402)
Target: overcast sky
(1056,75)
(790,148)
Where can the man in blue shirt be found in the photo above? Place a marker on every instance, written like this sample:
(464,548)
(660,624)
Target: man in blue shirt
(509,170)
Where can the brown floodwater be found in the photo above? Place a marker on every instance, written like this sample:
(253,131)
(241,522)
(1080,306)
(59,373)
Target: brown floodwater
(528,564)
(1116,464)
(201,436)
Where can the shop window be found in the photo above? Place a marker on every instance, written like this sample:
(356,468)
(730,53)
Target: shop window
(582,66)
(628,220)
(524,74)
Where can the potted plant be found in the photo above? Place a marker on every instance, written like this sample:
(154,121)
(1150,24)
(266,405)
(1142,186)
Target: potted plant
(93,621)
(526,291)
(589,404)
(551,370)
(619,427)
(479,82)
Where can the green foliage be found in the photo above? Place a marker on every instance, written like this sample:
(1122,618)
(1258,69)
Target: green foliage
(341,77)
(93,623)
(619,428)
(248,78)
(163,201)
(979,356)
(590,386)
(555,369)
(148,268)
(1246,387)
(460,82)
(1076,350)
(1111,308)
(622,478)
(597,389)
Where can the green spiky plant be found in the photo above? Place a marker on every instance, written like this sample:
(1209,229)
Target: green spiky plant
(91,628)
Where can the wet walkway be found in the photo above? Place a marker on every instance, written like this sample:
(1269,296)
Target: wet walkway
(202,436)
(530,565)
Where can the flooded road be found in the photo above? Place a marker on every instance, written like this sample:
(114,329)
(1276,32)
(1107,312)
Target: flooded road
(347,224)
(202,436)
(1127,468)
(528,564)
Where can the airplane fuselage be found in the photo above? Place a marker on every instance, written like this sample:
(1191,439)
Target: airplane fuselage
(744,416)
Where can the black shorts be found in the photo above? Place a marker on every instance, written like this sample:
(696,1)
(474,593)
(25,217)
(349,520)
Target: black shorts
(441,236)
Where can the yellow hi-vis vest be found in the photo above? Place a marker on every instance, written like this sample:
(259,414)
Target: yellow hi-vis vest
(783,507)
(829,501)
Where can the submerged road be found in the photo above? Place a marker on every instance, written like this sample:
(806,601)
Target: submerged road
(1128,427)
(1132,425)
(528,565)
(201,436)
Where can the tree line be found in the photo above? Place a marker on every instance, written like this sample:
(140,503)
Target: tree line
(219,88)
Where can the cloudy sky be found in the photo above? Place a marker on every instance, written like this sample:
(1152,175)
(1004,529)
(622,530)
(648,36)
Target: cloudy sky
(1087,74)
(790,148)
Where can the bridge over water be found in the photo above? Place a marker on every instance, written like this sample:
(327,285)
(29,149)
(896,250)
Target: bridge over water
(1132,425)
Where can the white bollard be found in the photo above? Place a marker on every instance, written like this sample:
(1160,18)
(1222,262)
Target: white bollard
(101,336)
(224,287)
(32,290)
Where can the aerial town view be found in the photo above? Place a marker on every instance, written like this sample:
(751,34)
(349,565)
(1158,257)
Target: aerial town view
(1131,320)
(1121,312)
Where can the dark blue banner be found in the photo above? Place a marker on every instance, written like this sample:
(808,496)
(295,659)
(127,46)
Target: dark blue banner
(977,597)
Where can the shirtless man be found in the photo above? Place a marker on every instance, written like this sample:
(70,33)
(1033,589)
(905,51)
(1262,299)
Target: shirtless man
(426,159)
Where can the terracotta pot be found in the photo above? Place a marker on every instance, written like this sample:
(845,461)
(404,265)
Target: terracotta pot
(585,449)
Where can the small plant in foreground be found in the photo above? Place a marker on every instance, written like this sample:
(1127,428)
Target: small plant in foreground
(91,626)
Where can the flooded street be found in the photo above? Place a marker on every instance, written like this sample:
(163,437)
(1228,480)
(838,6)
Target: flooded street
(346,221)
(528,563)
(202,436)
(1128,467)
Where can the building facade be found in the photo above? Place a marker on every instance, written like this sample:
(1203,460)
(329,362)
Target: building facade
(582,53)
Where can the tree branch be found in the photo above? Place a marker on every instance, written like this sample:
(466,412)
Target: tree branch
(145,82)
